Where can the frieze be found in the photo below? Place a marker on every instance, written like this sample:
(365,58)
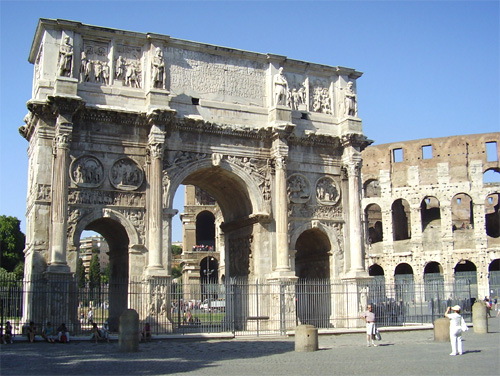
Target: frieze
(212,74)
(87,171)
(315,211)
(260,169)
(240,250)
(126,174)
(113,117)
(99,197)
(327,191)
(43,192)
(298,189)
(94,63)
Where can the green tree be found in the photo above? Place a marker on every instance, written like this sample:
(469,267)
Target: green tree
(11,243)
(176,271)
(80,273)
(94,272)
(176,250)
(105,276)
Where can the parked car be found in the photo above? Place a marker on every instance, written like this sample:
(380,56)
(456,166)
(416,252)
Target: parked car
(218,305)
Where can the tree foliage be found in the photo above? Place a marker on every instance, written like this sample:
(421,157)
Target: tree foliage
(11,243)
(176,271)
(94,272)
(176,250)
(80,273)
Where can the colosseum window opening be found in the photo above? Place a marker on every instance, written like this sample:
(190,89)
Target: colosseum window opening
(492,215)
(491,176)
(205,229)
(373,215)
(372,188)
(430,213)
(401,220)
(397,155)
(462,212)
(491,151)
(427,152)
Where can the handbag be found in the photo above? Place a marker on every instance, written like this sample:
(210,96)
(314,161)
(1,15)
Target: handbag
(378,337)
(463,325)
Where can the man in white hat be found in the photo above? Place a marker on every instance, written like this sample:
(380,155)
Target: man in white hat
(457,324)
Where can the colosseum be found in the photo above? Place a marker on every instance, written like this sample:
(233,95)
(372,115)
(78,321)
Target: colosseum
(431,211)
(431,215)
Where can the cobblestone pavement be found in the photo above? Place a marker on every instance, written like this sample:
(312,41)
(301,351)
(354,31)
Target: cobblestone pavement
(399,353)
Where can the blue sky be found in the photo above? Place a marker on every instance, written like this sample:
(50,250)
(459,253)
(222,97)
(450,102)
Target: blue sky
(431,68)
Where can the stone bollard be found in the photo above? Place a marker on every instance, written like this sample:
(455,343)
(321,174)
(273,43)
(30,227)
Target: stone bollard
(442,330)
(306,338)
(128,340)
(479,318)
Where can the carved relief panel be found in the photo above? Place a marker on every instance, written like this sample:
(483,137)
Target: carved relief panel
(94,63)
(297,92)
(327,192)
(320,98)
(126,174)
(87,171)
(128,66)
(299,189)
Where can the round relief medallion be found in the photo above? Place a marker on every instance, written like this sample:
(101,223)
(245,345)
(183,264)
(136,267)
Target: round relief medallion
(126,174)
(299,189)
(87,171)
(327,191)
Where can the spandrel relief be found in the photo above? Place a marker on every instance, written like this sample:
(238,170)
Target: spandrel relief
(181,159)
(299,189)
(94,63)
(126,175)
(87,171)
(327,192)
(128,67)
(320,96)
(259,169)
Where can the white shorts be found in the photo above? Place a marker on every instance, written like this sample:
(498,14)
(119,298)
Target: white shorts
(370,328)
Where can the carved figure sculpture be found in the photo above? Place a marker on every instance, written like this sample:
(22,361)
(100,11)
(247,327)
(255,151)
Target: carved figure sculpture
(350,101)
(65,58)
(158,69)
(280,88)
(120,67)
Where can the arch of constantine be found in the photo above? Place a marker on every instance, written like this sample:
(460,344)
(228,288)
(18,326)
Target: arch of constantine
(118,120)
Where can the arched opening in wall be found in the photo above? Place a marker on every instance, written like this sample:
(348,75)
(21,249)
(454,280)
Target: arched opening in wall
(403,278)
(462,215)
(430,215)
(209,276)
(401,220)
(465,280)
(491,176)
(433,281)
(312,266)
(107,280)
(494,278)
(372,188)
(205,229)
(377,288)
(492,215)
(373,215)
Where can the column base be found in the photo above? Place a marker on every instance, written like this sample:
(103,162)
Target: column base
(156,271)
(357,274)
(62,268)
(283,274)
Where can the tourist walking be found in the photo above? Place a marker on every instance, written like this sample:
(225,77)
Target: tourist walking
(369,317)
(457,326)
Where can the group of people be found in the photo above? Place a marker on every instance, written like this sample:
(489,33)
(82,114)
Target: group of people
(457,327)
(49,333)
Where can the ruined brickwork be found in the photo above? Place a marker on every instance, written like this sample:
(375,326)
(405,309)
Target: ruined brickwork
(430,209)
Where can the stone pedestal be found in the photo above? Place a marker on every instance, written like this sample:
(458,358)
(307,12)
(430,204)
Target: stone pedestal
(128,340)
(479,318)
(306,338)
(442,330)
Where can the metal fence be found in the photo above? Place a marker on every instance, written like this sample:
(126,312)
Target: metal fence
(239,306)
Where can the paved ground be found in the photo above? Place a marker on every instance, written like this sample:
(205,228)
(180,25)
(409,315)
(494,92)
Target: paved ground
(399,353)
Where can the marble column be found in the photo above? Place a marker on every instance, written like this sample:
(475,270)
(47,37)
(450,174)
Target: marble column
(353,168)
(60,180)
(155,236)
(282,262)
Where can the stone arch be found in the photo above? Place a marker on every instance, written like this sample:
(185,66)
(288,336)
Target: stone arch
(121,236)
(433,280)
(462,211)
(377,272)
(330,233)
(492,214)
(401,222)
(250,197)
(205,228)
(371,188)
(465,279)
(430,213)
(404,282)
(494,278)
(373,215)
